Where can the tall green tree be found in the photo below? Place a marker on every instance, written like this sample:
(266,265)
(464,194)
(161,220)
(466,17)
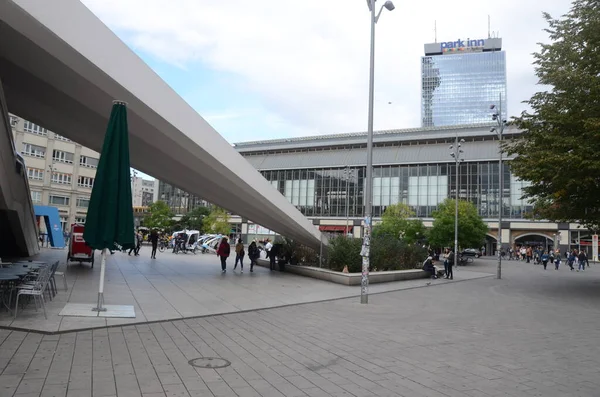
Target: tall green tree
(395,222)
(160,216)
(218,221)
(559,151)
(194,219)
(471,227)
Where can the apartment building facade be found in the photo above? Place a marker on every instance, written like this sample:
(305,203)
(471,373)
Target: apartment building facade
(61,172)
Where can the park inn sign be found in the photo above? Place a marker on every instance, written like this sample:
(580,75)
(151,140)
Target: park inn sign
(463,43)
(462,46)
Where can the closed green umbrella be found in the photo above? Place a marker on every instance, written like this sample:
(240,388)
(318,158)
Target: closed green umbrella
(109,220)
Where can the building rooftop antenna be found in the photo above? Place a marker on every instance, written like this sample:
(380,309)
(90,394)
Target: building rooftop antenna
(435,31)
(489,28)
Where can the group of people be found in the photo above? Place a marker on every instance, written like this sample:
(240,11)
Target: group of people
(448,258)
(224,250)
(574,259)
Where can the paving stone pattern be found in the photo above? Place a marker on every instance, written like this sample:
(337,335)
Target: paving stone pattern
(533,333)
(178,286)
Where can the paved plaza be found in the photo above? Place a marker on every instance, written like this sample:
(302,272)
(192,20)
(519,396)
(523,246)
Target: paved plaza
(179,286)
(534,333)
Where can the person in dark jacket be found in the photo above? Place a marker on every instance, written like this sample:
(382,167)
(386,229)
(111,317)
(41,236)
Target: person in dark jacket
(253,255)
(223,253)
(154,240)
(428,267)
(450,273)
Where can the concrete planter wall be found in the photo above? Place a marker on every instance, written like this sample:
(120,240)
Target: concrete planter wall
(350,278)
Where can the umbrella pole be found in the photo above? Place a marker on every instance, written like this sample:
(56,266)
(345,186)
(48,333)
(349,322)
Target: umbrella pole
(99,308)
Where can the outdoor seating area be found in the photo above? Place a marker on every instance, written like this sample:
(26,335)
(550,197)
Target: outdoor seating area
(25,282)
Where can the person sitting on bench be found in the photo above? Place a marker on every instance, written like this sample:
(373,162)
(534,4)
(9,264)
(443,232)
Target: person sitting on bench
(429,267)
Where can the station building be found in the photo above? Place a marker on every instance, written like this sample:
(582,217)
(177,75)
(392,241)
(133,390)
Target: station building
(324,177)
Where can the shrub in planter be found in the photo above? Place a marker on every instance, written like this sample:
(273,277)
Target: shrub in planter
(344,251)
(391,253)
(297,254)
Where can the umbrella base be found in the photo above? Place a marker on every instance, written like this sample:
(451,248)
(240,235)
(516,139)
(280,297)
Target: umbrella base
(87,310)
(99,308)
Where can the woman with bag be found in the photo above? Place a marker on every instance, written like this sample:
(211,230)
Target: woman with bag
(239,255)
(223,253)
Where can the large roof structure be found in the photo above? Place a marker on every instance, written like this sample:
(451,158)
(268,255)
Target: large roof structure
(62,67)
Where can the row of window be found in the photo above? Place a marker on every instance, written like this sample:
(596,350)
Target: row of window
(82,202)
(337,192)
(59,156)
(34,128)
(60,178)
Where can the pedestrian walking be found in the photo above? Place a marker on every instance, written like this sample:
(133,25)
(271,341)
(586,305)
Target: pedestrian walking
(545,258)
(223,253)
(134,248)
(154,241)
(270,254)
(253,255)
(239,255)
(571,260)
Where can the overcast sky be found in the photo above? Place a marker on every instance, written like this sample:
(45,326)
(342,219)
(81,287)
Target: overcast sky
(275,69)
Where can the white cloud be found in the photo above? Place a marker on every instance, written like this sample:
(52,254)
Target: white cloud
(308,59)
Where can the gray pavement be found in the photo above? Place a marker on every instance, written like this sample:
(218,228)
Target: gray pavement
(179,286)
(534,333)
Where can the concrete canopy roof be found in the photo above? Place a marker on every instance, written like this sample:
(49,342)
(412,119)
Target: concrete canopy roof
(62,68)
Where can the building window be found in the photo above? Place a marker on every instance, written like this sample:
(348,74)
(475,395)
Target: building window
(83,202)
(80,219)
(59,200)
(63,223)
(427,190)
(36,197)
(34,128)
(300,192)
(89,162)
(34,150)
(63,179)
(85,181)
(14,120)
(62,157)
(35,173)
(61,138)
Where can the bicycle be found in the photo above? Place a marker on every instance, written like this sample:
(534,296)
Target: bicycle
(162,245)
(464,260)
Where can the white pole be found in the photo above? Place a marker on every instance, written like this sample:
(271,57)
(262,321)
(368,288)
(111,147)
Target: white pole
(368,197)
(99,307)
(500,192)
(347,201)
(456,157)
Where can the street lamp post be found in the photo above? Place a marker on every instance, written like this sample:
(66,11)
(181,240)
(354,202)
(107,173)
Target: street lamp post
(348,173)
(498,118)
(368,198)
(456,152)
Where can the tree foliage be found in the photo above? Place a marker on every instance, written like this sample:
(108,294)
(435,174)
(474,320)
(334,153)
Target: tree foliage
(395,222)
(218,221)
(160,216)
(471,227)
(194,219)
(559,151)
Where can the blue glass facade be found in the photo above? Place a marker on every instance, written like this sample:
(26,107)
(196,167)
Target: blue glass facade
(459,89)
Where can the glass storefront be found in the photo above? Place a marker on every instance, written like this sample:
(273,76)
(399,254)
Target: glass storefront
(335,192)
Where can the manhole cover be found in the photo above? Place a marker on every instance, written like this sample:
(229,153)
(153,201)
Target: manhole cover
(209,362)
